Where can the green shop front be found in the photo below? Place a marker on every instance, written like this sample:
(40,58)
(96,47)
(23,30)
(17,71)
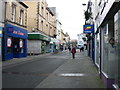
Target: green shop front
(38,43)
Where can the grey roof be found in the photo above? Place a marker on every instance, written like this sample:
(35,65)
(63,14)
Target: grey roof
(53,10)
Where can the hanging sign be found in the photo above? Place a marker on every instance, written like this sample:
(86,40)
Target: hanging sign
(9,42)
(21,43)
(88,28)
(0,31)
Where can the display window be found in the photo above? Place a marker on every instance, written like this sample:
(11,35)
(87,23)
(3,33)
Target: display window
(9,45)
(9,42)
(117,47)
(98,49)
(21,45)
(105,62)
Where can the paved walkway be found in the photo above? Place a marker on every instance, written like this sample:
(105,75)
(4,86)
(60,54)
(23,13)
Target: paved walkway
(75,73)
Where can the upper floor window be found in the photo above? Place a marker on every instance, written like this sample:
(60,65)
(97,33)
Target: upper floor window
(41,25)
(47,16)
(13,12)
(42,11)
(21,16)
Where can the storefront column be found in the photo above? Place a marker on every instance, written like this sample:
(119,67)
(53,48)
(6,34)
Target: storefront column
(0,43)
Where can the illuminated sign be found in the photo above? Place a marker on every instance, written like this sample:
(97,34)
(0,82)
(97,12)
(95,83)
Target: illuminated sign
(88,28)
(0,31)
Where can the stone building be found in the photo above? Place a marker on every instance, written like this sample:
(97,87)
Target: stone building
(41,26)
(15,30)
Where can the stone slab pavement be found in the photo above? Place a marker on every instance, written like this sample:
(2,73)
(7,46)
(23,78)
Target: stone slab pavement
(75,73)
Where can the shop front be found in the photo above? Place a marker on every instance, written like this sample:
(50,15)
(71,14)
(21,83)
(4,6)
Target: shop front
(38,43)
(14,42)
(54,45)
(1,43)
(116,44)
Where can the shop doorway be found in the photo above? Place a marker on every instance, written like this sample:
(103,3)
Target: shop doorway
(15,46)
(18,47)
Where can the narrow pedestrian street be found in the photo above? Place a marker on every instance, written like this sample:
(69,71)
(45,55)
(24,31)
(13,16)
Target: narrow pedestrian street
(51,71)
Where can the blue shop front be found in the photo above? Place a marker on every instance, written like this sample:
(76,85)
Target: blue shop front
(89,29)
(14,42)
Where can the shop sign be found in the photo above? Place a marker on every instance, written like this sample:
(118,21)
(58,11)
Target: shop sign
(45,38)
(88,28)
(21,43)
(0,31)
(9,42)
(10,30)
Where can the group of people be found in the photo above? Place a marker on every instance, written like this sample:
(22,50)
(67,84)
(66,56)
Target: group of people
(73,50)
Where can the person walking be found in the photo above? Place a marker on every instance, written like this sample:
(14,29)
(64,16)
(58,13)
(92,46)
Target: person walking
(73,51)
(81,48)
(69,48)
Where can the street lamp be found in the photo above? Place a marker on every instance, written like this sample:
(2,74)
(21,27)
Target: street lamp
(84,4)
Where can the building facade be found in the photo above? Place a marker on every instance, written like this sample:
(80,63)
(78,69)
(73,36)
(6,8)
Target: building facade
(41,26)
(1,26)
(15,30)
(107,42)
(89,29)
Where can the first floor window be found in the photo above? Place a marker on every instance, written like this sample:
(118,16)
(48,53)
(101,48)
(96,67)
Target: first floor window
(21,16)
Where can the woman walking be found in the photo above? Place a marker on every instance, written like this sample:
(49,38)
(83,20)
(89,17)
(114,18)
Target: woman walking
(73,52)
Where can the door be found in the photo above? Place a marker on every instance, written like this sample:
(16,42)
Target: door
(15,47)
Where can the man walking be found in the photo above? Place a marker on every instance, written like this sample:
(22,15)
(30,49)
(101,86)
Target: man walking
(81,48)
(73,52)
(69,48)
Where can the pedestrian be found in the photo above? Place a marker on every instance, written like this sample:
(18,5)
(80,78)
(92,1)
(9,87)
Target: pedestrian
(69,48)
(81,48)
(73,52)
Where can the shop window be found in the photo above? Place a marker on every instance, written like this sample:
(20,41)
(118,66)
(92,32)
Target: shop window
(9,45)
(98,50)
(105,61)
(117,47)
(21,45)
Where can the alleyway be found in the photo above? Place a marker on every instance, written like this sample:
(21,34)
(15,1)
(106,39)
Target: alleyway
(52,71)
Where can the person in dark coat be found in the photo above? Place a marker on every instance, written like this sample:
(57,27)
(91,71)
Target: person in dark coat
(73,51)
(69,48)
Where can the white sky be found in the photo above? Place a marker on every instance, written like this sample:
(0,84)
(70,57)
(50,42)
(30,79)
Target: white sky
(71,15)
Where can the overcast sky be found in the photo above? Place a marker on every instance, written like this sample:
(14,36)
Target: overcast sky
(71,15)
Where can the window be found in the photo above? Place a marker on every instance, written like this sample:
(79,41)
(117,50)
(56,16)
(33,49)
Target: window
(41,25)
(42,11)
(21,44)
(9,45)
(117,47)
(13,12)
(21,16)
(47,16)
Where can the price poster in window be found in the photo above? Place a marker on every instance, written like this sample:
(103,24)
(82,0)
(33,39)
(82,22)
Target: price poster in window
(9,42)
(21,43)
